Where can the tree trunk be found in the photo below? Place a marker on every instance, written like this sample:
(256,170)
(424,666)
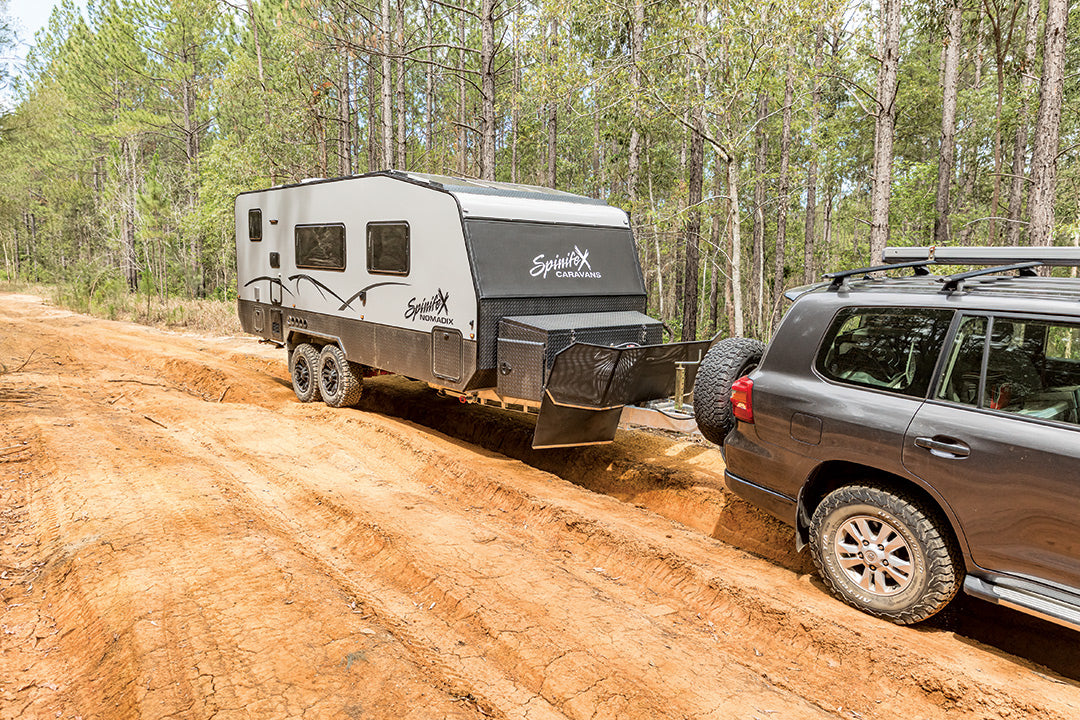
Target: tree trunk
(129,230)
(757,252)
(386,44)
(322,154)
(637,40)
(676,270)
(659,276)
(715,238)
(995,195)
(399,90)
(972,164)
(884,129)
(696,179)
(515,109)
(344,114)
(1047,124)
(373,113)
(552,111)
(950,74)
(736,247)
(129,266)
(826,236)
(462,138)
(779,279)
(429,81)
(597,155)
(1023,117)
(487,89)
(809,231)
(272,166)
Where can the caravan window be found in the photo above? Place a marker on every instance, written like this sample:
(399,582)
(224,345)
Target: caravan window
(388,248)
(320,247)
(254,225)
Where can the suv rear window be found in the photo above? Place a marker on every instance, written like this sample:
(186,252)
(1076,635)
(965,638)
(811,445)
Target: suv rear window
(892,349)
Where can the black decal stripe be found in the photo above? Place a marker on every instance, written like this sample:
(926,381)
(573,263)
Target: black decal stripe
(362,294)
(273,281)
(323,289)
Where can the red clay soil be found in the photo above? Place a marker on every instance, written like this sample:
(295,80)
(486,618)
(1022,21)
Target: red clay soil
(180,538)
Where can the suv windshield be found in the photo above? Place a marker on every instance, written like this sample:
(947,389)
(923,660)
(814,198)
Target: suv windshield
(890,349)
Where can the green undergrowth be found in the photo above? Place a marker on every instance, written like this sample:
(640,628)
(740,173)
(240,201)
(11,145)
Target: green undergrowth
(112,302)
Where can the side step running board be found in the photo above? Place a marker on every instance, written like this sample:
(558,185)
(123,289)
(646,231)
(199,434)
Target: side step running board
(1024,600)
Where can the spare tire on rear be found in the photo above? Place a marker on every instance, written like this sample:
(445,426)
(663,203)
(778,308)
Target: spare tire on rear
(726,362)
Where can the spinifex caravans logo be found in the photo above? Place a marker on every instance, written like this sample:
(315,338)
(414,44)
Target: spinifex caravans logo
(574,264)
(433,309)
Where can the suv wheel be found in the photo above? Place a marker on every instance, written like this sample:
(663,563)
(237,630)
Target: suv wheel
(726,362)
(883,553)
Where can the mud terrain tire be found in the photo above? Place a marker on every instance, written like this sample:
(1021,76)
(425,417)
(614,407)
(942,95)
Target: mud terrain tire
(339,382)
(303,369)
(857,530)
(726,362)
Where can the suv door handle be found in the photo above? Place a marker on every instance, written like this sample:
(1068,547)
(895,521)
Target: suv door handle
(943,449)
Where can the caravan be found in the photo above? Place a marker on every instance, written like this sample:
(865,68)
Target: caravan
(511,295)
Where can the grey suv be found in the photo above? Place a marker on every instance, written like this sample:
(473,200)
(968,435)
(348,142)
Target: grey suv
(921,433)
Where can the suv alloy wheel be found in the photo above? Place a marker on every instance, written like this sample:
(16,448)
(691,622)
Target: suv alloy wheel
(880,552)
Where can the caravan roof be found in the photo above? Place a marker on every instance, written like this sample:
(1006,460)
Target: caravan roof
(492,200)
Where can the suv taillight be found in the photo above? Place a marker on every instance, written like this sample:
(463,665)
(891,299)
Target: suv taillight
(742,406)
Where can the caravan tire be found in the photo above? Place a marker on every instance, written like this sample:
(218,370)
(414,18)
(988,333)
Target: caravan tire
(726,362)
(339,384)
(304,370)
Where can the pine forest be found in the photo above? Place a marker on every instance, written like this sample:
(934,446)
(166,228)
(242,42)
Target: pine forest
(756,144)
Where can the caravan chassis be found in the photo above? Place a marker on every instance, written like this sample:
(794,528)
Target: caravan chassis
(296,327)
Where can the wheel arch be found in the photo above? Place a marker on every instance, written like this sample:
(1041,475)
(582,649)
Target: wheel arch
(835,474)
(296,337)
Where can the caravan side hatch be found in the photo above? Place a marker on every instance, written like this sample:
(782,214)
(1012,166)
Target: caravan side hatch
(446,360)
(277,332)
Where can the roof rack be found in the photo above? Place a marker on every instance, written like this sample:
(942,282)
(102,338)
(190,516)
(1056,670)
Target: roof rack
(1001,259)
(954,283)
(839,279)
(1049,256)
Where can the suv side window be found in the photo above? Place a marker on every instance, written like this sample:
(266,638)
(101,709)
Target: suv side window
(892,349)
(1033,369)
(963,368)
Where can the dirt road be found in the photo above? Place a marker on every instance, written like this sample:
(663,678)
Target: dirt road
(180,538)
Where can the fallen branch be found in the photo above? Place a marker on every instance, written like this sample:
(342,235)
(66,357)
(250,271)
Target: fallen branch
(155,421)
(4,370)
(138,382)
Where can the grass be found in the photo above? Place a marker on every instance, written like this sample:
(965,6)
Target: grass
(211,317)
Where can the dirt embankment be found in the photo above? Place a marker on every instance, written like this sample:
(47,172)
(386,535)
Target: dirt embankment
(180,538)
